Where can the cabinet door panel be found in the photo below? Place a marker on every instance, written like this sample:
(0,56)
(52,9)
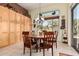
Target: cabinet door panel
(4,27)
(18,16)
(18,32)
(12,37)
(30,26)
(18,27)
(4,13)
(26,24)
(22,23)
(18,36)
(12,16)
(12,27)
(22,28)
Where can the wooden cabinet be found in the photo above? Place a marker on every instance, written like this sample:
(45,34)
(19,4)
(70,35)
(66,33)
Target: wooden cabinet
(12,24)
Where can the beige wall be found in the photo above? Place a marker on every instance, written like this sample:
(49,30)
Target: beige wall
(58,6)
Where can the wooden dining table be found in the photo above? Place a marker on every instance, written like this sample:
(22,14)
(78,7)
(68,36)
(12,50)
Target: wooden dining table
(39,39)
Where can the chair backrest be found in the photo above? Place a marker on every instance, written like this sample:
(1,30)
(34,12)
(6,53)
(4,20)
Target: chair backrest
(25,33)
(49,35)
(26,39)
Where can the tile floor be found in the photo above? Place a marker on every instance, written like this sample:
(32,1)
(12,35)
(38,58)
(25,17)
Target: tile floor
(17,50)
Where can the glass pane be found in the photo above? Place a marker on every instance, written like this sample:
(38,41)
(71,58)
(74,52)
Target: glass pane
(76,25)
(76,21)
(51,25)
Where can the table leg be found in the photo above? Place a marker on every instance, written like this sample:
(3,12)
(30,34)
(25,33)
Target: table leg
(36,46)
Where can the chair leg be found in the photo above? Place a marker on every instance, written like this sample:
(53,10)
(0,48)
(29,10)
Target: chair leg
(56,44)
(30,52)
(43,52)
(52,51)
(44,49)
(24,50)
(36,46)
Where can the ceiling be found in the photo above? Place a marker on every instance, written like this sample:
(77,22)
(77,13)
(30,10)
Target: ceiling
(30,6)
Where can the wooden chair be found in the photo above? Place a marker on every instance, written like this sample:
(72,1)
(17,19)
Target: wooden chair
(27,42)
(46,44)
(55,38)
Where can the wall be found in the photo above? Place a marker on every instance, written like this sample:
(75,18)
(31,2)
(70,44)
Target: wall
(58,6)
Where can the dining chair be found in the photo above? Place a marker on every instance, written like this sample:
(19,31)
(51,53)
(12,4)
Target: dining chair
(55,38)
(27,42)
(46,44)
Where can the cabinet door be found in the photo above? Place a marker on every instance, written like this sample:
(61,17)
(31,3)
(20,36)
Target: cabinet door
(18,27)
(22,25)
(12,27)
(30,26)
(4,26)
(26,24)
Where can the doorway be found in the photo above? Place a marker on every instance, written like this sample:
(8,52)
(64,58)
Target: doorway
(75,26)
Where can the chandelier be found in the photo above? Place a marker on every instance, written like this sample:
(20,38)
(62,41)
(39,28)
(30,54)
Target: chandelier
(39,19)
